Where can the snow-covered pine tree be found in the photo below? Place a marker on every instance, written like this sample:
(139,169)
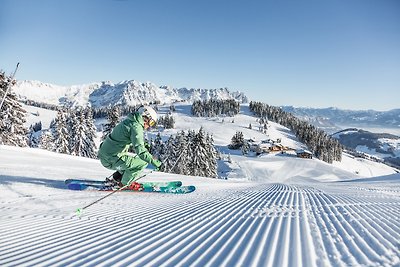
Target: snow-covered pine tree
(71,120)
(191,150)
(212,156)
(90,134)
(245,148)
(170,122)
(46,140)
(83,134)
(182,147)
(12,116)
(237,141)
(61,133)
(157,146)
(113,117)
(78,134)
(169,156)
(199,157)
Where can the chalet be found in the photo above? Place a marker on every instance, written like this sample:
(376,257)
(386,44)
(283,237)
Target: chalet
(276,147)
(305,154)
(262,148)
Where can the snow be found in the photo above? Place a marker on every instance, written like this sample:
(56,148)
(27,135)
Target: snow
(271,210)
(36,114)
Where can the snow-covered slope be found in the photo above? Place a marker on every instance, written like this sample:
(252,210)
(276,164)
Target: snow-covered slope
(273,210)
(128,92)
(303,222)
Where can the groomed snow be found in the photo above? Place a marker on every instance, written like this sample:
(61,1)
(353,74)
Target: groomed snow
(273,210)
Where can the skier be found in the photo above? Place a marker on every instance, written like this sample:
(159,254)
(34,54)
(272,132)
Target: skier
(113,152)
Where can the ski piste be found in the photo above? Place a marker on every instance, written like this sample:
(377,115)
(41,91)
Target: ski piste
(174,187)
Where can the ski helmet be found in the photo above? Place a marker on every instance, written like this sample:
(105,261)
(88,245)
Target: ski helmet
(149,112)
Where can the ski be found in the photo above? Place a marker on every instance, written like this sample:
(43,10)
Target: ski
(84,181)
(100,184)
(173,187)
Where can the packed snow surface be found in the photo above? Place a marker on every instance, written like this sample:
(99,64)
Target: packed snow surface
(271,210)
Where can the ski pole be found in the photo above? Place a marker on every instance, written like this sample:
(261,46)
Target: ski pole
(8,86)
(80,210)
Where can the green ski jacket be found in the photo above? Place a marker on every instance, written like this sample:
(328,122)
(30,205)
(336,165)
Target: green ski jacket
(127,132)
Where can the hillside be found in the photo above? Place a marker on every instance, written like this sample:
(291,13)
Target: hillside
(271,210)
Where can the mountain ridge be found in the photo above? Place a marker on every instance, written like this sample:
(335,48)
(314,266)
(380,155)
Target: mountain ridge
(127,92)
(328,118)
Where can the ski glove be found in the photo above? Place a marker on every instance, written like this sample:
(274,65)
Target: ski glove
(160,167)
(147,146)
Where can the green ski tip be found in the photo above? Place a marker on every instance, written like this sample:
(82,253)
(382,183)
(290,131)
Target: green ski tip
(79,212)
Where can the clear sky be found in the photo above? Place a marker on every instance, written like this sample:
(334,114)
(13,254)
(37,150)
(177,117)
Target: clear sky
(321,53)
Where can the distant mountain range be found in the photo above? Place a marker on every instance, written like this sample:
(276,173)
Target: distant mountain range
(128,92)
(380,145)
(330,119)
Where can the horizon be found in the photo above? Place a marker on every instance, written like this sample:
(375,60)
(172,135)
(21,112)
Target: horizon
(308,54)
(231,91)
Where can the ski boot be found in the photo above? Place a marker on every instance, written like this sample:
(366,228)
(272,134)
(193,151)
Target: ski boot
(115,180)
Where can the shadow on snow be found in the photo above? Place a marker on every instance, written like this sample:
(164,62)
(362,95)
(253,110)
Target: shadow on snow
(8,180)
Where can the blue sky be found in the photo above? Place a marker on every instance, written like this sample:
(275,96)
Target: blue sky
(321,53)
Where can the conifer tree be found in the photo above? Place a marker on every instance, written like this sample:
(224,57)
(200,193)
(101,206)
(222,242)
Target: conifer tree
(113,116)
(12,116)
(61,133)
(237,141)
(182,148)
(77,145)
(90,134)
(157,146)
(169,156)
(47,140)
(83,134)
(212,156)
(200,164)
(71,124)
(245,148)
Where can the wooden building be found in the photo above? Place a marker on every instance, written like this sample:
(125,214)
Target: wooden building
(305,154)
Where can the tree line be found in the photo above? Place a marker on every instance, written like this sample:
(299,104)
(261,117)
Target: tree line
(71,132)
(213,108)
